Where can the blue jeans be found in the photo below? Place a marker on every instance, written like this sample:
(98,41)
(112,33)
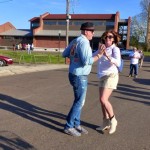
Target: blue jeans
(79,84)
(135,68)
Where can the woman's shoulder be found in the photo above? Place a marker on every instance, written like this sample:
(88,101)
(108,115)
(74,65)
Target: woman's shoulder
(115,48)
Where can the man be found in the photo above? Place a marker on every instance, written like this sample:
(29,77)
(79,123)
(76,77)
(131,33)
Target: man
(134,62)
(81,60)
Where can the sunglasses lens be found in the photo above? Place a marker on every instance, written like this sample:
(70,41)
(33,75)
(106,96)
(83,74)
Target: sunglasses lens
(91,30)
(110,37)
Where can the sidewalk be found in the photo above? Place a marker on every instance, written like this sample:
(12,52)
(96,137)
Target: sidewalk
(20,69)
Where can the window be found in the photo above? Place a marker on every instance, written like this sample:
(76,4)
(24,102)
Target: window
(61,22)
(7,37)
(35,24)
(50,22)
(99,23)
(110,23)
(78,23)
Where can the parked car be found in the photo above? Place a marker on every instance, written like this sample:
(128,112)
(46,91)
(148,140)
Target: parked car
(125,52)
(4,61)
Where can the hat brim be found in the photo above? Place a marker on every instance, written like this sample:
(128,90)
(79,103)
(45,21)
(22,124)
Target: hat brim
(90,28)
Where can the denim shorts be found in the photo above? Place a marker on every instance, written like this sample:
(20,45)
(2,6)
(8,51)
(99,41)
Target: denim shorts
(109,81)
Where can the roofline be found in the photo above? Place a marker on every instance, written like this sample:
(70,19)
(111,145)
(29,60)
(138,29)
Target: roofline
(76,17)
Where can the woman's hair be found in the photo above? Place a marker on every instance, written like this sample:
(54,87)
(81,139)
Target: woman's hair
(115,34)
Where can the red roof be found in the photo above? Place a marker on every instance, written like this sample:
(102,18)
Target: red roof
(77,17)
(6,26)
(35,19)
(81,16)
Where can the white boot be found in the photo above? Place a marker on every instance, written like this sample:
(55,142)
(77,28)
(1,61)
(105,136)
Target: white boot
(105,125)
(113,125)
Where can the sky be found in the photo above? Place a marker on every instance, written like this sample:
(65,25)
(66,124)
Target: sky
(19,12)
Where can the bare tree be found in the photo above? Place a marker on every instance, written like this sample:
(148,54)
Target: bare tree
(139,24)
(138,30)
(73,5)
(144,6)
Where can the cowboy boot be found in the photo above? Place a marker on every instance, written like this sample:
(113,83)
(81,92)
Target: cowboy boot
(105,125)
(113,125)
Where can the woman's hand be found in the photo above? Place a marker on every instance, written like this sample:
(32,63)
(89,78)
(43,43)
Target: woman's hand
(101,48)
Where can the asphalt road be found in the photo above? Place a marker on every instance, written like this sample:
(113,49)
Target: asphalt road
(33,108)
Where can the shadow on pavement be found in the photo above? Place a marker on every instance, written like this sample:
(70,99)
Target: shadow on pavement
(135,94)
(31,112)
(10,141)
(36,114)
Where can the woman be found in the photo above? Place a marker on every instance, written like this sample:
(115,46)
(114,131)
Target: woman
(108,77)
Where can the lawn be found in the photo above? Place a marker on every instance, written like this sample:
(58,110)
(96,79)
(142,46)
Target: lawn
(147,53)
(35,57)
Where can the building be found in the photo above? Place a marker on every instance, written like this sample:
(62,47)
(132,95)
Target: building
(9,35)
(49,30)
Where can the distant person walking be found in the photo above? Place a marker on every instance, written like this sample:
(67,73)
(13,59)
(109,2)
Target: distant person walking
(14,47)
(29,48)
(134,62)
(32,46)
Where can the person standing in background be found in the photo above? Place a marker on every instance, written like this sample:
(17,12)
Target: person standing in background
(134,62)
(28,48)
(32,46)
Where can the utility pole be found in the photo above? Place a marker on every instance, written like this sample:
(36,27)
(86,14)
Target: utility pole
(67,20)
(67,26)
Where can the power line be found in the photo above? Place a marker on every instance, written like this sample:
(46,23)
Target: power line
(5,1)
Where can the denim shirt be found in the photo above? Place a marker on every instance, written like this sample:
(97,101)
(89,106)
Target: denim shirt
(80,53)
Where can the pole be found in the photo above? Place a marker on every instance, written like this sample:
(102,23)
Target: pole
(67,20)
(67,25)
(59,45)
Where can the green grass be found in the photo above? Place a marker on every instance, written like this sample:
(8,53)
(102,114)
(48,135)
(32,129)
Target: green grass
(37,57)
(147,53)
(34,57)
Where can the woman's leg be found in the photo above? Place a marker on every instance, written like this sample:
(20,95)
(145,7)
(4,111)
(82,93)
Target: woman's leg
(105,104)
(106,117)
(108,110)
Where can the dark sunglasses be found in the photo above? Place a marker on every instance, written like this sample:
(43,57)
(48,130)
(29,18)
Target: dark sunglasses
(90,30)
(109,36)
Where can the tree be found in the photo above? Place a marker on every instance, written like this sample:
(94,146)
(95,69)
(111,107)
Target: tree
(144,6)
(139,25)
(138,31)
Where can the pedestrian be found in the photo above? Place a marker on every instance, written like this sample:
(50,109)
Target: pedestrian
(108,75)
(32,46)
(28,48)
(141,58)
(80,53)
(14,47)
(134,62)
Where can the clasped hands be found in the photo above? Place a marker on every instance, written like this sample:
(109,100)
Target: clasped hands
(102,50)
